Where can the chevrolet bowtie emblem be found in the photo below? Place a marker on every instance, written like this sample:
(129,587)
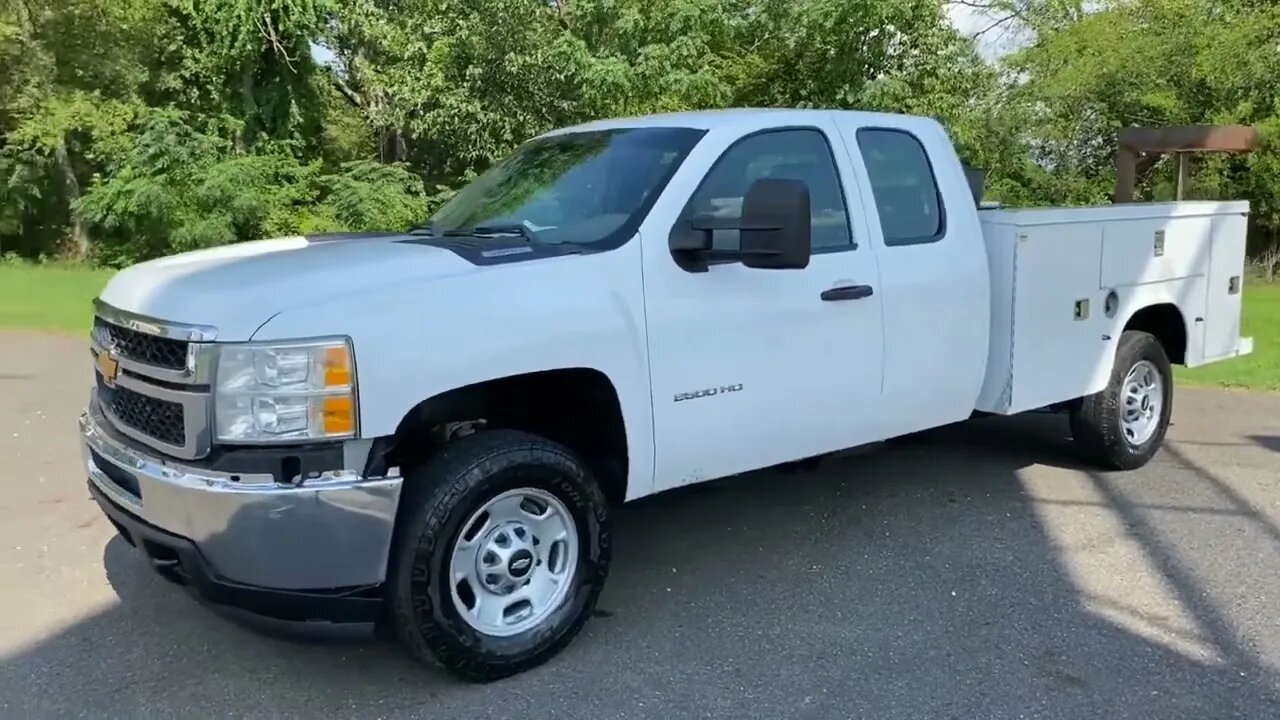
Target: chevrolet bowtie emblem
(109,367)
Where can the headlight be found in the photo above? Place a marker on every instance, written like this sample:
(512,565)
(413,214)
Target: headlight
(285,392)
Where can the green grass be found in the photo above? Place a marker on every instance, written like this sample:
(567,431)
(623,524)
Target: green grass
(49,297)
(58,298)
(1261,369)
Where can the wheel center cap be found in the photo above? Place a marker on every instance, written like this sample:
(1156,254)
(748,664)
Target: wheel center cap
(506,558)
(520,564)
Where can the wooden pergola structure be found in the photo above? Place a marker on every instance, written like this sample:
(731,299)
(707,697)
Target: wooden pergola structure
(1135,141)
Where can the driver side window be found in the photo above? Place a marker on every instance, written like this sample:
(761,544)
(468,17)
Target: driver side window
(786,154)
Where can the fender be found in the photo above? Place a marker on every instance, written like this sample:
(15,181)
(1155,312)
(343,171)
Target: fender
(413,342)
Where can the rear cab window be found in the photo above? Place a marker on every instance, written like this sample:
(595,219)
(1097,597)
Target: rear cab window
(906,191)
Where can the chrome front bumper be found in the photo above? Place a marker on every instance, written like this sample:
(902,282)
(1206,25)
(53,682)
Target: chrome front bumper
(331,532)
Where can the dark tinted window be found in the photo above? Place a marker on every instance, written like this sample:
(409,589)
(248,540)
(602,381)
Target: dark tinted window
(906,192)
(790,154)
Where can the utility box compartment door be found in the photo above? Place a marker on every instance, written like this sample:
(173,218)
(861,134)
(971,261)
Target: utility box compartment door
(1148,250)
(1225,287)
(1058,321)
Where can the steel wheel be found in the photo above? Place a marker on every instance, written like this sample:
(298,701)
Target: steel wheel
(1141,402)
(513,562)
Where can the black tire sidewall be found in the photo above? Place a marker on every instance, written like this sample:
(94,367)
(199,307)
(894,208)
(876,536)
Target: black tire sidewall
(423,584)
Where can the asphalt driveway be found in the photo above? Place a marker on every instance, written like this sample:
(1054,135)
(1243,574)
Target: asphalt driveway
(973,572)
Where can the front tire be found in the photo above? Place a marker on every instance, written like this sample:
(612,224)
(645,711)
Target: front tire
(500,555)
(1122,427)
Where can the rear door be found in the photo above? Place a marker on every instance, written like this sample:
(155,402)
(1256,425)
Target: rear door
(933,268)
(753,367)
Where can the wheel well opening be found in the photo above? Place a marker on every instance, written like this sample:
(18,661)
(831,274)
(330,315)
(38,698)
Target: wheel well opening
(1166,323)
(577,407)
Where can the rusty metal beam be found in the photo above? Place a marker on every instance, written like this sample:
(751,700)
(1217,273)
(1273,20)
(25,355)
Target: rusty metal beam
(1190,138)
(1126,174)
(1133,141)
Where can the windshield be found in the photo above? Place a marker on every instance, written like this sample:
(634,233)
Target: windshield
(591,187)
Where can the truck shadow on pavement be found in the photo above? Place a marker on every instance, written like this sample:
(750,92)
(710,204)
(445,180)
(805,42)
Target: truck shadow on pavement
(941,576)
(1270,442)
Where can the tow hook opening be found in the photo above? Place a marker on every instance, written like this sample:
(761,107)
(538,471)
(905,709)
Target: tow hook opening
(166,562)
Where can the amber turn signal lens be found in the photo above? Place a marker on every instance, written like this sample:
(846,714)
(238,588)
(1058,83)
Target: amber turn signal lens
(338,415)
(337,367)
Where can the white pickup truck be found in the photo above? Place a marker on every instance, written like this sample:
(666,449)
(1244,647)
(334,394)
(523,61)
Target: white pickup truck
(429,427)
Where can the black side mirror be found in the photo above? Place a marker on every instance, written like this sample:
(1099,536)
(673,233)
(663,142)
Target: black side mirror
(776,225)
(774,230)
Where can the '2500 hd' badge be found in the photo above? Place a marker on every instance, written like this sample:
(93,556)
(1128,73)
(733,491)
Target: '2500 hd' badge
(708,392)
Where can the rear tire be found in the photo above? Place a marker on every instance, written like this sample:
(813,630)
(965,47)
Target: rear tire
(1122,427)
(460,502)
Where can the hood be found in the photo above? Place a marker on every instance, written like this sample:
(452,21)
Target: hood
(237,288)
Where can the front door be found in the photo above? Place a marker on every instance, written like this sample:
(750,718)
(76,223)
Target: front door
(751,367)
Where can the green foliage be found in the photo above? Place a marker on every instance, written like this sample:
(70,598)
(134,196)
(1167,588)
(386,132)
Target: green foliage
(368,195)
(135,128)
(254,55)
(180,189)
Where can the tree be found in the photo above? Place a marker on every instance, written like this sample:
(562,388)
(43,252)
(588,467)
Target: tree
(1153,62)
(139,127)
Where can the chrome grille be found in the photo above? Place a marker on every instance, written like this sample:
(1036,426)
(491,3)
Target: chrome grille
(161,419)
(152,378)
(141,347)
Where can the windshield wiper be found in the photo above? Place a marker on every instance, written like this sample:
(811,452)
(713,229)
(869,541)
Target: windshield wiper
(520,229)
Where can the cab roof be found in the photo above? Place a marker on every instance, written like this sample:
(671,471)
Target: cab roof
(742,118)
